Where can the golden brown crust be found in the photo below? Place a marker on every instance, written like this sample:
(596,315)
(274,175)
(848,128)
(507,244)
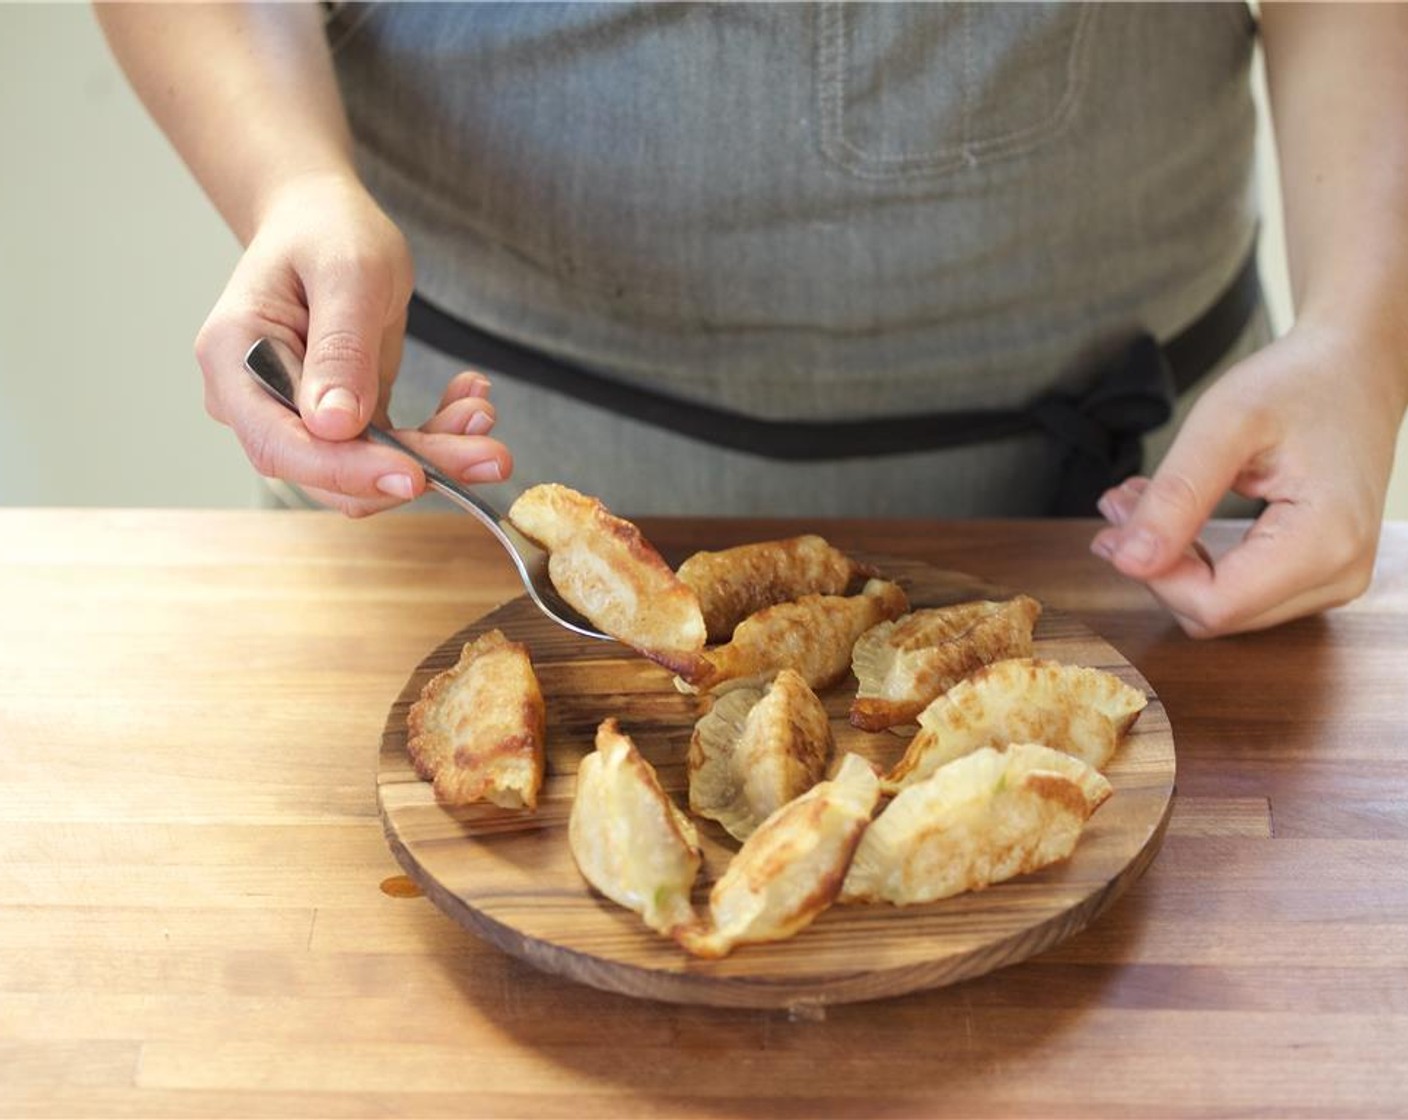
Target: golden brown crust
(812,635)
(605,568)
(755,750)
(981,819)
(737,582)
(902,666)
(1082,711)
(478,729)
(792,867)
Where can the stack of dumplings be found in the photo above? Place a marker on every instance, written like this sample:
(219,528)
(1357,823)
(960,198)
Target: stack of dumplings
(738,582)
(902,666)
(982,819)
(792,867)
(1084,712)
(999,780)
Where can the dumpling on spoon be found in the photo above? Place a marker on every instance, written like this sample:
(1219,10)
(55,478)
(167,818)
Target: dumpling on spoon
(792,867)
(903,665)
(755,750)
(981,819)
(629,840)
(734,583)
(477,730)
(605,568)
(1082,711)
(812,635)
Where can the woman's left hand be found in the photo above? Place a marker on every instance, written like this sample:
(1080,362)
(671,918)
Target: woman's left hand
(1309,426)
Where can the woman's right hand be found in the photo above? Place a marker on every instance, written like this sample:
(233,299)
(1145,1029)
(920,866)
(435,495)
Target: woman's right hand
(328,275)
(249,97)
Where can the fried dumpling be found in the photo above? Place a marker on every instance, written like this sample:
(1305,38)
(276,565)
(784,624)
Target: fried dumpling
(1082,711)
(605,568)
(755,750)
(905,664)
(792,867)
(813,635)
(477,730)
(736,582)
(981,819)
(629,840)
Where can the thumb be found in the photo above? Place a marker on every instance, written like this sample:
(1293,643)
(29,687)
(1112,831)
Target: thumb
(1204,462)
(339,392)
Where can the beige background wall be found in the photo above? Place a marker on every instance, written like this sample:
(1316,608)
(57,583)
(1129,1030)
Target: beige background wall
(109,260)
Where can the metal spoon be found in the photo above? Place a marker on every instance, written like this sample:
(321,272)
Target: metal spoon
(278,373)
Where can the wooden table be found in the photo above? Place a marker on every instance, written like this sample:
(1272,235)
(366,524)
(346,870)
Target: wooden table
(193,920)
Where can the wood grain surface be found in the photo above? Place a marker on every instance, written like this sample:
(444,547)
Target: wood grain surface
(509,876)
(200,915)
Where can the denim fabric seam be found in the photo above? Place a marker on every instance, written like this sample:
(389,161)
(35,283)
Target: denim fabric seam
(831,54)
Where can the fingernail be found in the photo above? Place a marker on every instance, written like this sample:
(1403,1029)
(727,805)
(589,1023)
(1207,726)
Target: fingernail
(480,386)
(1106,508)
(478,424)
(1140,547)
(487,471)
(396,486)
(1103,547)
(338,399)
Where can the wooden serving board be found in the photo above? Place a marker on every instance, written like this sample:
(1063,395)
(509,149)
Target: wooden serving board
(510,878)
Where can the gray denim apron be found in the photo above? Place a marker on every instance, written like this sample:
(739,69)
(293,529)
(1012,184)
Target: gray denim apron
(804,212)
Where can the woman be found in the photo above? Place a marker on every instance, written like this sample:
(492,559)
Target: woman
(700,233)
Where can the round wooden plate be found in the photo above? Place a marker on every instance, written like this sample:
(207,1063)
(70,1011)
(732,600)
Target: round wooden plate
(510,878)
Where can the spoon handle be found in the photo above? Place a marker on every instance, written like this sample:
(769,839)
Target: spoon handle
(275,370)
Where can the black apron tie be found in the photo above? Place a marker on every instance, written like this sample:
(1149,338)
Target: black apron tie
(1096,432)
(1100,432)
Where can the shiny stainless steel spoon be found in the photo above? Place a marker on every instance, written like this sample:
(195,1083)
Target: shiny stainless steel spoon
(277,371)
